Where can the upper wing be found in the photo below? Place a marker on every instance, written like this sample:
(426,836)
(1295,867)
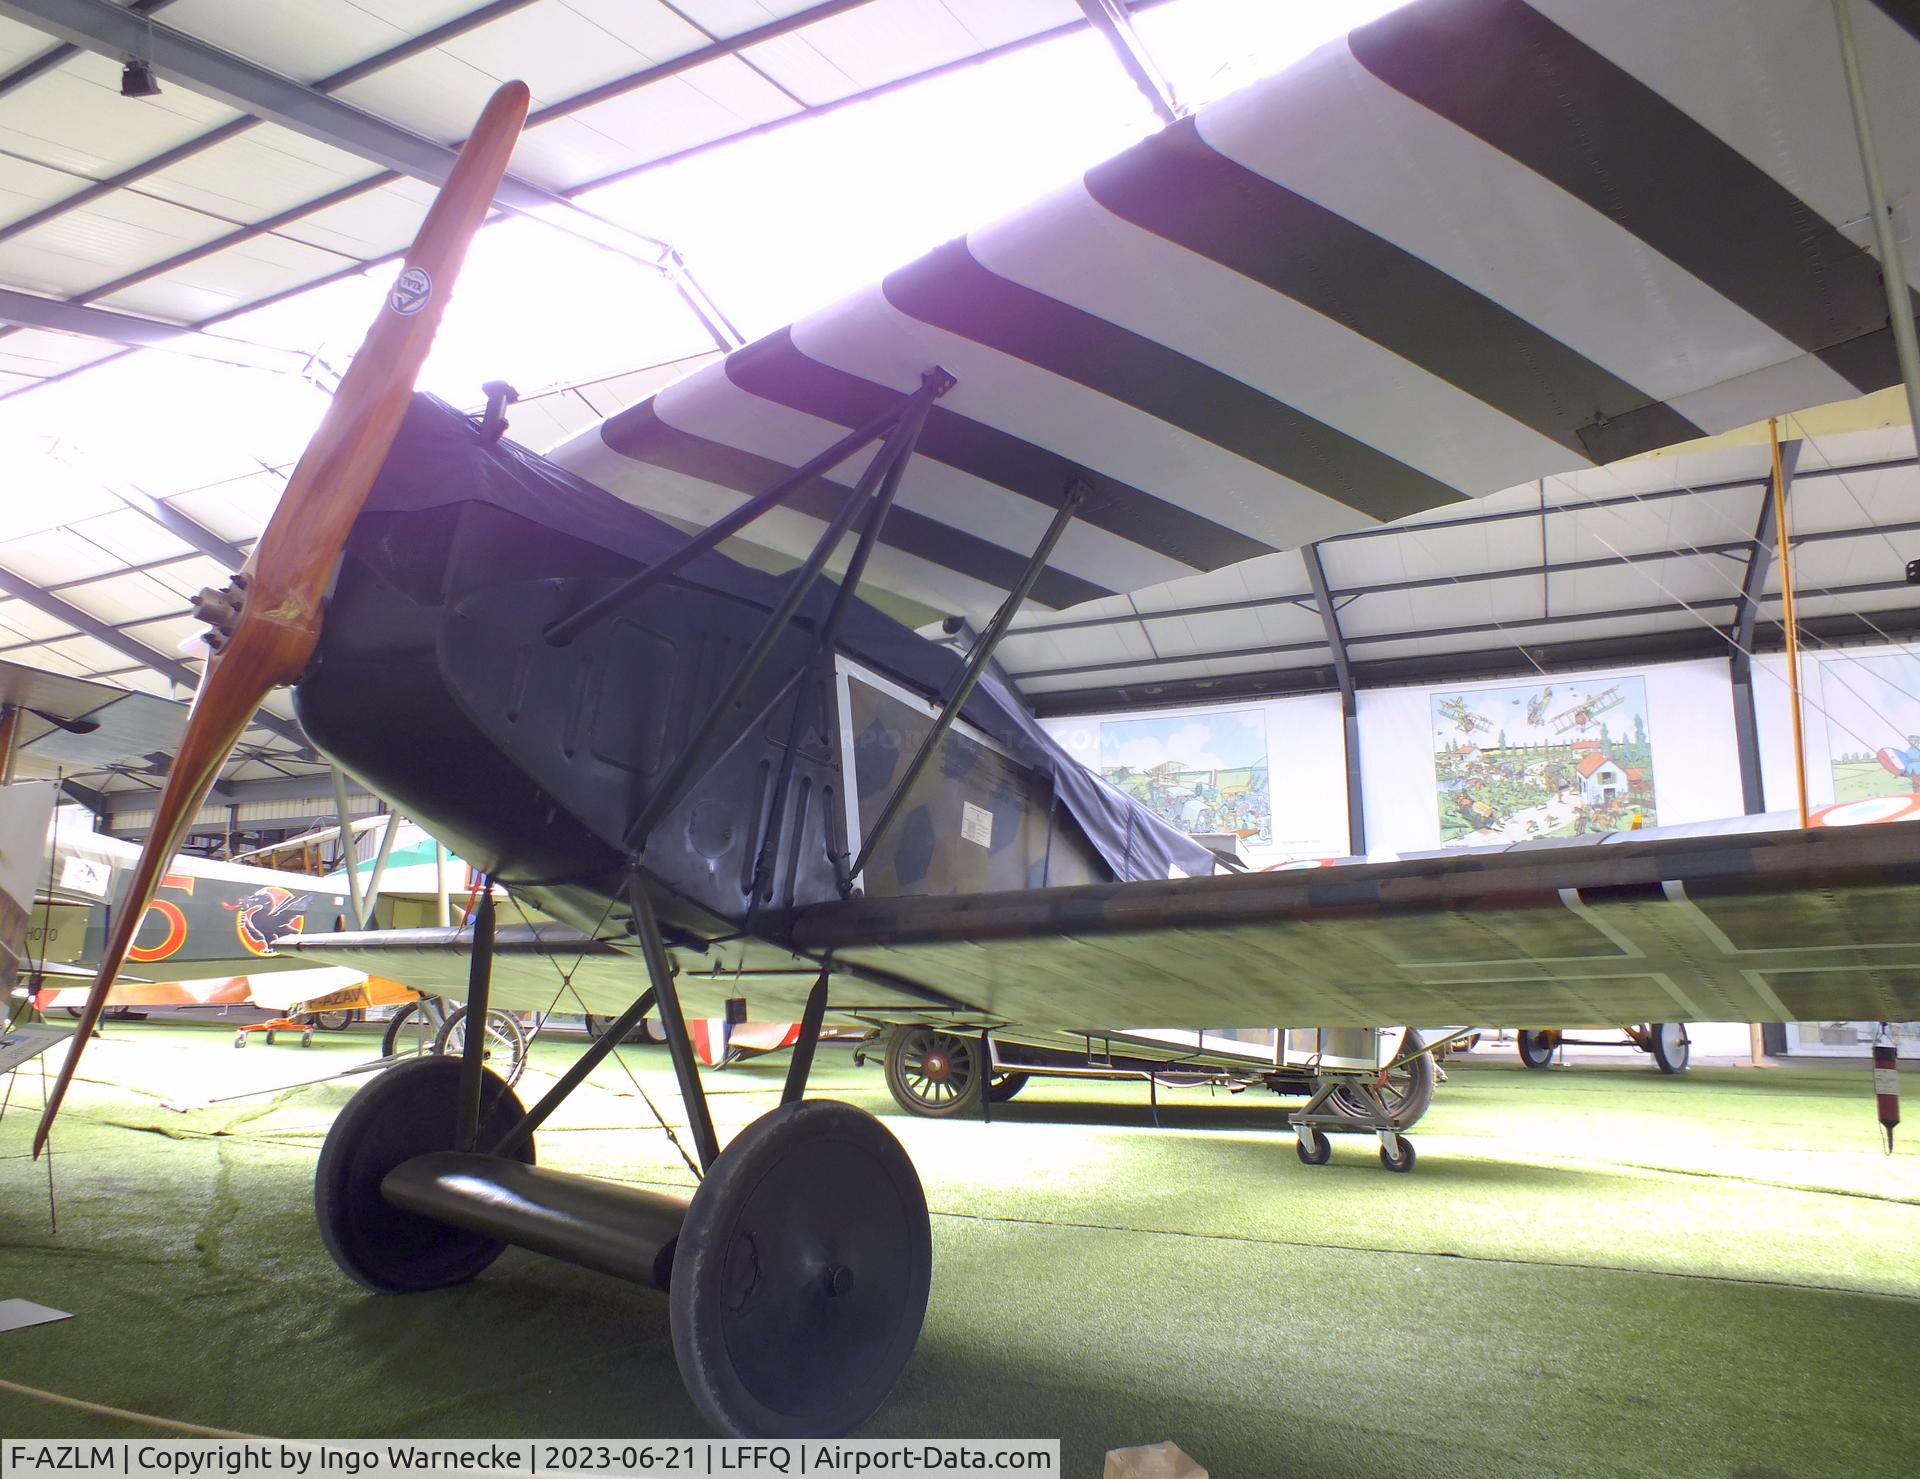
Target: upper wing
(72,722)
(1767,927)
(1476,243)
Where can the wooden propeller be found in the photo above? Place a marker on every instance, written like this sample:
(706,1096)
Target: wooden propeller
(267,623)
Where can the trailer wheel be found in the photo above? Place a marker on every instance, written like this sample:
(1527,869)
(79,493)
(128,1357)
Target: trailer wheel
(1312,1146)
(1408,1091)
(1402,1161)
(1536,1049)
(1670,1046)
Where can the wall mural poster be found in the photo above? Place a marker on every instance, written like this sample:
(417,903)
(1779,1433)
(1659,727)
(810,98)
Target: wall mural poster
(1203,773)
(1873,725)
(1546,759)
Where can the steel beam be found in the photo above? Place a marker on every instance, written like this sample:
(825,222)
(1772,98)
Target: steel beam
(1349,704)
(187,530)
(314,788)
(170,668)
(1746,721)
(1470,666)
(30,311)
(103,27)
(1112,20)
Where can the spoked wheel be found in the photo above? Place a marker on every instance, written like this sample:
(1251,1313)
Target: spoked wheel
(935,1073)
(1408,1090)
(1536,1049)
(505,1051)
(1668,1043)
(411,1032)
(801,1274)
(334,1021)
(406,1111)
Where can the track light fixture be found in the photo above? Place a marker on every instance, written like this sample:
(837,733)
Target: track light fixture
(137,80)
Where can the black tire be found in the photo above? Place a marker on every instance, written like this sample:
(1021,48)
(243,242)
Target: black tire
(1402,1161)
(407,1110)
(933,1073)
(410,1032)
(506,1047)
(1003,1086)
(1536,1049)
(1408,1092)
(801,1275)
(1314,1147)
(1670,1045)
(334,1021)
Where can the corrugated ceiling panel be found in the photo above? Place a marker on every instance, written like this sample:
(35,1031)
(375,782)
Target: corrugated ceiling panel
(38,352)
(55,555)
(10,382)
(236,510)
(432,94)
(130,535)
(29,623)
(75,119)
(1697,520)
(226,279)
(80,249)
(802,69)
(167,634)
(304,40)
(1516,636)
(89,655)
(56,660)
(370,225)
(647,27)
(187,578)
(25,187)
(260,173)
(995,22)
(557,51)
(1873,557)
(1852,501)
(1075,647)
(1690,578)
(890,38)
(695,107)
(123,598)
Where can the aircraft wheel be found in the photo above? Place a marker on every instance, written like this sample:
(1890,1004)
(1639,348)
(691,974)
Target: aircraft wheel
(1402,1161)
(933,1073)
(1003,1086)
(239,1039)
(407,1110)
(1536,1049)
(269,1037)
(1408,1092)
(505,1049)
(410,1032)
(1670,1046)
(334,1021)
(1312,1146)
(306,1038)
(801,1274)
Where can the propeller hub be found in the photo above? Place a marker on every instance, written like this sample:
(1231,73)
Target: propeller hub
(221,609)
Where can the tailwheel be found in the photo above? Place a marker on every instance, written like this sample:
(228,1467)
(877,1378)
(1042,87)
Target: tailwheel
(801,1274)
(406,1111)
(505,1049)
(1536,1048)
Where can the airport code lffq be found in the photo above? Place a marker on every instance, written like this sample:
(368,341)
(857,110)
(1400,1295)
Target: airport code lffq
(272,1458)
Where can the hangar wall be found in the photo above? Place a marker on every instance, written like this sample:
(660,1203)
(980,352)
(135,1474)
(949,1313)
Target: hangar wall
(1855,702)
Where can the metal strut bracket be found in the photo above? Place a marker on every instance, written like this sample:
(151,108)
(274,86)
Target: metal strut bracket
(686,1068)
(1077,494)
(878,481)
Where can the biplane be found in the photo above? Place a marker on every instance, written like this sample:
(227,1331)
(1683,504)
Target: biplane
(1475,243)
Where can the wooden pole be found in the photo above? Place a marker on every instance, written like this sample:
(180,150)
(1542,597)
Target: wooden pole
(1793,636)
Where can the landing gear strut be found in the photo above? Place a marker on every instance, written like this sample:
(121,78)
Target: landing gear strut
(797,1276)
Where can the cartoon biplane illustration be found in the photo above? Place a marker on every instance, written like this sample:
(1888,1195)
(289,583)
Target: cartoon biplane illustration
(1537,705)
(1583,712)
(1334,299)
(1463,717)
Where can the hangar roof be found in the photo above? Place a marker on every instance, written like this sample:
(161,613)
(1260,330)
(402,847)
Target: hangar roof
(294,157)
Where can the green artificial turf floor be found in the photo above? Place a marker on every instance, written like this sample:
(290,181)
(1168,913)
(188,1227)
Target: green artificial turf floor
(1595,1270)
